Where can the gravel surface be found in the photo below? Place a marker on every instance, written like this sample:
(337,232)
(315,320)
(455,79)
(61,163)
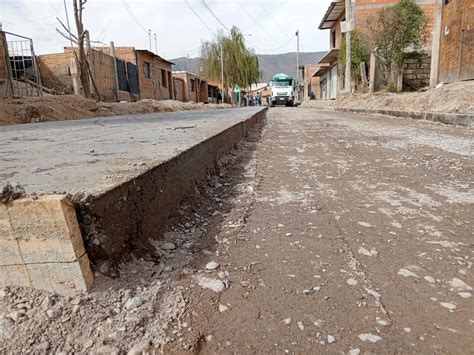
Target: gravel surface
(323,232)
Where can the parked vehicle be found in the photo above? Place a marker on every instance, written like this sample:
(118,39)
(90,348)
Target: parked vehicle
(282,90)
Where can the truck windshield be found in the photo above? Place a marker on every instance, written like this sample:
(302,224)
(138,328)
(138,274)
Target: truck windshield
(282,83)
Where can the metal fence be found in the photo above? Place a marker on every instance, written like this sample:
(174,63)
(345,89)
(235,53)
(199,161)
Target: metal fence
(25,76)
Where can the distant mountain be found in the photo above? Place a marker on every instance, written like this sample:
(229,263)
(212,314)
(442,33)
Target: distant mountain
(269,63)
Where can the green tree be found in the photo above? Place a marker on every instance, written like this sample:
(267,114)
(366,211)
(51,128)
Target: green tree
(395,30)
(241,65)
(360,53)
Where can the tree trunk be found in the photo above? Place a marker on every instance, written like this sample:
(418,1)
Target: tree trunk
(83,65)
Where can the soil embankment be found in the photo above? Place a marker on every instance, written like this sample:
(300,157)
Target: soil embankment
(450,98)
(73,107)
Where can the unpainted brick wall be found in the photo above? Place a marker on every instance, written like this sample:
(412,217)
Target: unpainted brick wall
(366,10)
(55,72)
(178,85)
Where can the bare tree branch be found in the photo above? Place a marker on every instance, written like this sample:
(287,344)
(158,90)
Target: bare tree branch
(66,29)
(68,37)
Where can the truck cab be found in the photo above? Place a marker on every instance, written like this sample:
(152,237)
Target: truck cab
(282,90)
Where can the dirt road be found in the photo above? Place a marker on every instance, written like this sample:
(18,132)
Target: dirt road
(349,232)
(323,232)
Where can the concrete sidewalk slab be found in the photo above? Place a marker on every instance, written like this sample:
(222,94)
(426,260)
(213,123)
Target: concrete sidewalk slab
(127,175)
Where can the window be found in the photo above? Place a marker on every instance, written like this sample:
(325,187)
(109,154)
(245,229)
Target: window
(192,85)
(163,78)
(333,39)
(147,67)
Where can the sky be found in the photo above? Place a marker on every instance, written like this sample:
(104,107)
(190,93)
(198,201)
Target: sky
(269,26)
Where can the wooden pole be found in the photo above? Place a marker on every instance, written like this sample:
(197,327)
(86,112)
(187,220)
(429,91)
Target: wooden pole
(117,88)
(372,72)
(363,75)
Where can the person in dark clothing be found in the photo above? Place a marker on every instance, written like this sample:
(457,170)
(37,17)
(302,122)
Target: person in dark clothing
(259,99)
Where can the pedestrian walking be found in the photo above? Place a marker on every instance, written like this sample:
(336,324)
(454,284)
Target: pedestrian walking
(259,98)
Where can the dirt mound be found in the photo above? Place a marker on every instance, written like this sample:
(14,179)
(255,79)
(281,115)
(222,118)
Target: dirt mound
(456,98)
(72,107)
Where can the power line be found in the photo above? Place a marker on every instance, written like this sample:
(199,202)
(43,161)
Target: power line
(273,49)
(199,17)
(214,15)
(132,15)
(254,19)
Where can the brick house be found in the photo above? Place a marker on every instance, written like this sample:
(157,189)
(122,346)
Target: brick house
(311,90)
(329,72)
(194,87)
(416,71)
(154,72)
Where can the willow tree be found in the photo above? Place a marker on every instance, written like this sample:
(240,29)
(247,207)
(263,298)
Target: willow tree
(241,65)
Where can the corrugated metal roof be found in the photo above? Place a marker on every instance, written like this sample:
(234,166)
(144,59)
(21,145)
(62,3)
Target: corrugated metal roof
(332,14)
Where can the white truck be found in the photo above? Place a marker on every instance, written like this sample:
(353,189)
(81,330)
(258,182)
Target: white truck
(282,90)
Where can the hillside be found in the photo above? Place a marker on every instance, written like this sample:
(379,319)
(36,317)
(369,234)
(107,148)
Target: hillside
(270,63)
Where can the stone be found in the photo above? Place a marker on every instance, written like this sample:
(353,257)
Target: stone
(364,251)
(429,279)
(406,273)
(331,339)
(300,325)
(108,349)
(168,246)
(43,346)
(53,313)
(223,308)
(133,302)
(15,315)
(351,282)
(142,347)
(287,321)
(212,265)
(372,338)
(459,285)
(76,308)
(104,267)
(211,284)
(5,326)
(448,305)
(354,351)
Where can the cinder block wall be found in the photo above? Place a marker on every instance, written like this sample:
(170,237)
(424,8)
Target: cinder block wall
(416,72)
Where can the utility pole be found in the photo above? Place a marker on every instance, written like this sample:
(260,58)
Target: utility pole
(156,46)
(347,81)
(67,21)
(149,38)
(222,71)
(298,63)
